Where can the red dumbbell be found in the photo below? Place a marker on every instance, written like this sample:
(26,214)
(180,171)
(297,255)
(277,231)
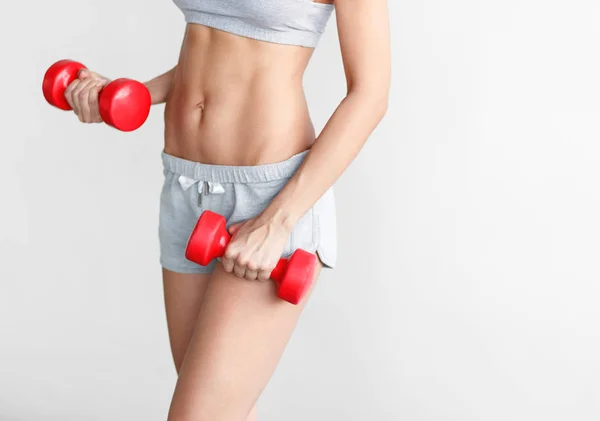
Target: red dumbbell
(124,103)
(210,238)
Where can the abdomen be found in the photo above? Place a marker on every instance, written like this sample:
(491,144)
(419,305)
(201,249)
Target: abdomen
(237,101)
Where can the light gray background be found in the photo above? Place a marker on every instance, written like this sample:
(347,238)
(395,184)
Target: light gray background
(467,286)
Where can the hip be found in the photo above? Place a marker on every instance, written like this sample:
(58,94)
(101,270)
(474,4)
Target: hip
(237,193)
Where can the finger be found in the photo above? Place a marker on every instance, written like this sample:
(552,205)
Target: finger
(230,257)
(84,100)
(69,93)
(76,99)
(265,269)
(87,74)
(239,270)
(84,74)
(263,275)
(234,228)
(227,265)
(97,76)
(251,275)
(243,260)
(94,105)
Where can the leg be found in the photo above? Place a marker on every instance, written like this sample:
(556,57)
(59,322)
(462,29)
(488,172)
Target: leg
(241,332)
(183,296)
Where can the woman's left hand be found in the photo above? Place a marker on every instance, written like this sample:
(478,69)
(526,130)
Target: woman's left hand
(255,247)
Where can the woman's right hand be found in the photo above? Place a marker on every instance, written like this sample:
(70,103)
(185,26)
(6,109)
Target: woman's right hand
(82,96)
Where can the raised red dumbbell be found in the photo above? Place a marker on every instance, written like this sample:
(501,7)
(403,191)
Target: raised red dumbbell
(124,103)
(210,238)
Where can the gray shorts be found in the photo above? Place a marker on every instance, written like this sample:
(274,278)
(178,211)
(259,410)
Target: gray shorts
(238,193)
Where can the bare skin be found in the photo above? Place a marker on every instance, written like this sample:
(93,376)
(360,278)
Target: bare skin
(232,100)
(226,368)
(184,294)
(241,98)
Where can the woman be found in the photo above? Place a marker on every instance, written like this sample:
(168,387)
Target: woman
(239,141)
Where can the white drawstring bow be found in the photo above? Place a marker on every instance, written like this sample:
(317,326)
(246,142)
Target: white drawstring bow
(204,187)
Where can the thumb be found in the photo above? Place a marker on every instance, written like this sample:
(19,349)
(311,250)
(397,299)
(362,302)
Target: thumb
(83,74)
(233,228)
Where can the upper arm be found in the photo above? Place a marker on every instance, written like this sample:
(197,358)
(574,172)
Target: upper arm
(363,28)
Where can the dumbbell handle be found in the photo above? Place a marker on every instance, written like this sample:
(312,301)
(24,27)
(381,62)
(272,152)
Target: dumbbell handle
(221,241)
(124,103)
(210,238)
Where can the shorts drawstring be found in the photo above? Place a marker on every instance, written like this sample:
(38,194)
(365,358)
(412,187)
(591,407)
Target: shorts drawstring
(204,187)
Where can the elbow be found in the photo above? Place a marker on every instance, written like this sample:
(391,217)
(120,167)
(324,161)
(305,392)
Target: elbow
(382,104)
(378,103)
(375,100)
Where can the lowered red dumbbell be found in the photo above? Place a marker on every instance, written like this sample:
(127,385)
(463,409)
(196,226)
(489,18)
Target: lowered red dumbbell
(210,238)
(124,103)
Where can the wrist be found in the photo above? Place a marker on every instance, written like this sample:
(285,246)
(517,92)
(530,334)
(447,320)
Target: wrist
(159,87)
(286,210)
(155,94)
(280,217)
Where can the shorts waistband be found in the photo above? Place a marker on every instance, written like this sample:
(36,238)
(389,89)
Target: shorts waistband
(232,173)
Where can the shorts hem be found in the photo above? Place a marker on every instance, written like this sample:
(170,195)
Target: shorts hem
(177,268)
(327,264)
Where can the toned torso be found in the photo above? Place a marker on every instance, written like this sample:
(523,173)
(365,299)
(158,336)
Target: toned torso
(237,101)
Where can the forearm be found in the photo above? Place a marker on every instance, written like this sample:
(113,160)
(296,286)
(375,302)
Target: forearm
(336,147)
(159,86)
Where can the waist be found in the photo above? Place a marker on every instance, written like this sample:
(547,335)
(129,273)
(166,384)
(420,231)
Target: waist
(246,174)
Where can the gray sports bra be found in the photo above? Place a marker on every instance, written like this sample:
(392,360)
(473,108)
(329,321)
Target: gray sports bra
(297,22)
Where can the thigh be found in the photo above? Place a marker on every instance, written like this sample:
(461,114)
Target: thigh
(241,332)
(183,294)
